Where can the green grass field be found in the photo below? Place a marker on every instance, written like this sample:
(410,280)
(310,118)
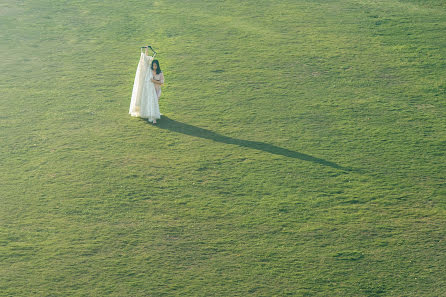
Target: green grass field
(301,151)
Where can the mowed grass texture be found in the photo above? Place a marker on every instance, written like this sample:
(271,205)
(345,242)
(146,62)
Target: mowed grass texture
(301,150)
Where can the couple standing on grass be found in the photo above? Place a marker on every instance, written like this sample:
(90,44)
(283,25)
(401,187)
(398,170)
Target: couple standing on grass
(147,89)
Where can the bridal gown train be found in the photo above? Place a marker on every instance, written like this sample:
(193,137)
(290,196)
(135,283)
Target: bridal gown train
(144,101)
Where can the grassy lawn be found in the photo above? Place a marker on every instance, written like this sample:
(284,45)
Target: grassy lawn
(301,151)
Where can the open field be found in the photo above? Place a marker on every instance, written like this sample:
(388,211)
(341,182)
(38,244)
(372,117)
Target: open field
(301,151)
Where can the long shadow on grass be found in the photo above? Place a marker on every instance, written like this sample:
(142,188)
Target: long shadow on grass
(179,127)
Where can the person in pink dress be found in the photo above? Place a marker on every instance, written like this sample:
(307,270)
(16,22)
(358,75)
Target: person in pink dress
(158,77)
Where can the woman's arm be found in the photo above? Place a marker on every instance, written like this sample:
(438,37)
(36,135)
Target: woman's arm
(159,82)
(147,58)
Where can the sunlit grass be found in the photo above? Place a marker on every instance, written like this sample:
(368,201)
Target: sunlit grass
(301,150)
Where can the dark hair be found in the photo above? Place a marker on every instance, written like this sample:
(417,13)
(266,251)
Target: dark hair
(158,68)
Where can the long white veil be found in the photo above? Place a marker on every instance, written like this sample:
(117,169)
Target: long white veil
(141,71)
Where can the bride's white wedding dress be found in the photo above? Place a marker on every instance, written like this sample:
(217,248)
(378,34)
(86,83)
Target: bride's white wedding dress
(144,101)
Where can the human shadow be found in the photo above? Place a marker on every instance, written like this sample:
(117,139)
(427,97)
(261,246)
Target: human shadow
(179,127)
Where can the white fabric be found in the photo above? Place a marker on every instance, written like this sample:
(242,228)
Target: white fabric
(144,102)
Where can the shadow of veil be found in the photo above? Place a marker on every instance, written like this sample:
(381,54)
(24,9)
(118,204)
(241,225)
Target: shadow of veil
(179,127)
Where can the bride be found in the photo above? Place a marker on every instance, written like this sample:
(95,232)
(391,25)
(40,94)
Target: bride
(147,89)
